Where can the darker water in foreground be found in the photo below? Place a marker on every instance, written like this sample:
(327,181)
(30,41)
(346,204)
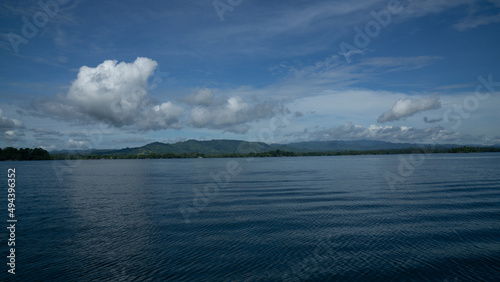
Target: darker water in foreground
(291,219)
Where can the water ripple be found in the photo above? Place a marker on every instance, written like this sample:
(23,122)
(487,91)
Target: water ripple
(292,219)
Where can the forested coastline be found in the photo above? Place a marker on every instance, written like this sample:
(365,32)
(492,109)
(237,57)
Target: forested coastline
(32,154)
(23,154)
(277,153)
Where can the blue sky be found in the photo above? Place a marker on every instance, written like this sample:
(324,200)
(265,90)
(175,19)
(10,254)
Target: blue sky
(113,74)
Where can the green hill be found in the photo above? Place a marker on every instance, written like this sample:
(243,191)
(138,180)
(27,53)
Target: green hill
(212,147)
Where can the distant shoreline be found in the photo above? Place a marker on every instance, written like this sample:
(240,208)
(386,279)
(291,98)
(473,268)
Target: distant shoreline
(280,153)
(12,154)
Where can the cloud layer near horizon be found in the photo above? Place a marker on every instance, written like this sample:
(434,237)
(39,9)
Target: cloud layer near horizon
(396,134)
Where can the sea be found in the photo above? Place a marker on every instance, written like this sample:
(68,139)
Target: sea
(419,217)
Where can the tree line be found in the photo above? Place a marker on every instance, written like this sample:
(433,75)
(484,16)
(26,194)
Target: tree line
(23,154)
(277,153)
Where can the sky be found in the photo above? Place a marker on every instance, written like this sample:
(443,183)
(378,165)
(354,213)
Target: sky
(114,74)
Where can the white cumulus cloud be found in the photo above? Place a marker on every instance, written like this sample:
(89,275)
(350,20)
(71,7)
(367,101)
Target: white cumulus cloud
(407,107)
(231,115)
(115,94)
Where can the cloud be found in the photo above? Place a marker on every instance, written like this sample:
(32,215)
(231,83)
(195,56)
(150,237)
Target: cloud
(298,114)
(473,22)
(201,97)
(46,135)
(78,144)
(43,132)
(420,8)
(330,71)
(11,135)
(134,139)
(10,129)
(162,116)
(389,133)
(232,115)
(7,123)
(407,107)
(115,94)
(333,72)
(433,120)
(481,15)
(400,63)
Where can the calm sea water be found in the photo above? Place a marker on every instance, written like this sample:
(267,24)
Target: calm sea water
(266,219)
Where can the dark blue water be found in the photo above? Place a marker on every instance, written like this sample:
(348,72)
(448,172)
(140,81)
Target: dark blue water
(386,218)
